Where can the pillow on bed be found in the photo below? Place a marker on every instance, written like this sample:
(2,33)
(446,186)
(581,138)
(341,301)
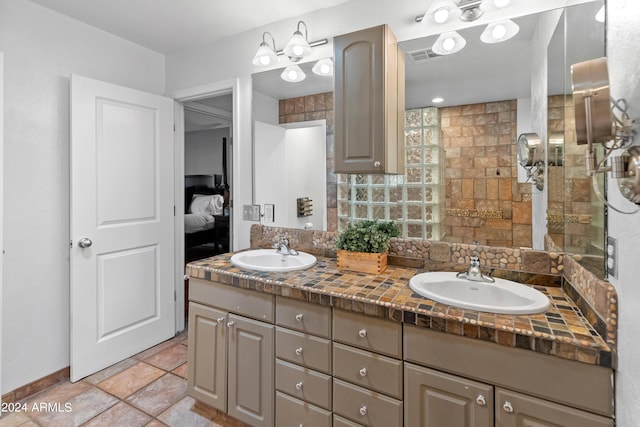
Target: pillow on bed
(207,204)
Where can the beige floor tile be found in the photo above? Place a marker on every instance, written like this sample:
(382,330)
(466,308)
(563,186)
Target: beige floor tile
(119,415)
(181,370)
(153,350)
(155,423)
(160,394)
(131,380)
(13,419)
(182,414)
(58,393)
(77,410)
(169,358)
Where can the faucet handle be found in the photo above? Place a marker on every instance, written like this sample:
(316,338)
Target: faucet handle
(474,260)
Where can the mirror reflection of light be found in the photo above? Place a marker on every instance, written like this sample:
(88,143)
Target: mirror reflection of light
(501,3)
(437,100)
(448,44)
(498,31)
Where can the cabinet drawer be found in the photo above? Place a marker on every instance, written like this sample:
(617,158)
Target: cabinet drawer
(303,316)
(338,421)
(369,333)
(293,412)
(236,300)
(303,349)
(366,369)
(365,407)
(304,383)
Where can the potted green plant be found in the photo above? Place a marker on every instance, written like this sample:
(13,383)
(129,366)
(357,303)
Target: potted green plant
(363,245)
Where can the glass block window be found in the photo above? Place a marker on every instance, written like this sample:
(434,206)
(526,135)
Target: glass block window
(415,200)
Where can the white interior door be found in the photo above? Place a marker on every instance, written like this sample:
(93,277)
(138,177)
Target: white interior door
(122,210)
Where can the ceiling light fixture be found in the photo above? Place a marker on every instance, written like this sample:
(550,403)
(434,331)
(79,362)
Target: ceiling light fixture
(265,54)
(497,32)
(298,47)
(448,43)
(323,67)
(293,74)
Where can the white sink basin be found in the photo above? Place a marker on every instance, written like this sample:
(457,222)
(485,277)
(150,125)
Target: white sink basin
(501,297)
(270,260)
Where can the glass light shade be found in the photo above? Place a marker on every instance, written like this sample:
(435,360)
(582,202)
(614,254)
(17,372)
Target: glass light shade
(489,5)
(441,11)
(264,55)
(323,67)
(448,43)
(293,74)
(297,47)
(600,15)
(497,32)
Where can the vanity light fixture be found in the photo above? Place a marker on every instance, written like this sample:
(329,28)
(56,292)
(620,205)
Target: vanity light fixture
(293,74)
(448,43)
(441,11)
(323,67)
(298,47)
(490,5)
(497,32)
(265,54)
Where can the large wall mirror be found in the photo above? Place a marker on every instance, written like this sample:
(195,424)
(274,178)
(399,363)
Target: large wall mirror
(491,93)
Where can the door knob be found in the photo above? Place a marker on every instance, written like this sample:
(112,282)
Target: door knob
(85,242)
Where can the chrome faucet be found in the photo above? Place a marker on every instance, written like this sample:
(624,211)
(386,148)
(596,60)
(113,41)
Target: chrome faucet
(282,247)
(474,273)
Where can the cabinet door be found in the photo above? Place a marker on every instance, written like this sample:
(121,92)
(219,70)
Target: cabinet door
(366,102)
(518,410)
(207,367)
(250,376)
(435,399)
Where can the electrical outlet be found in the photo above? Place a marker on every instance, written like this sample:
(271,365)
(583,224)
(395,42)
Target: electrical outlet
(269,213)
(612,257)
(251,212)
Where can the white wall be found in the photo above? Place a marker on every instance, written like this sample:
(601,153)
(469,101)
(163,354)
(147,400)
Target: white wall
(203,151)
(623,52)
(41,49)
(265,108)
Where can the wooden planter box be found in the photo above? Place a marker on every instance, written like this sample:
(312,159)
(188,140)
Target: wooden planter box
(362,261)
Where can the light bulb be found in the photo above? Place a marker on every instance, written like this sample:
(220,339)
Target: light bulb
(498,31)
(441,15)
(292,74)
(265,60)
(448,44)
(501,3)
(298,50)
(324,69)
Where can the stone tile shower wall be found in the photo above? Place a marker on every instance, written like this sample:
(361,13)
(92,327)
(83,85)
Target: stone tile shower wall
(316,107)
(484,202)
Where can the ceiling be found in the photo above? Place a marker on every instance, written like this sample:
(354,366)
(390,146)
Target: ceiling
(170,25)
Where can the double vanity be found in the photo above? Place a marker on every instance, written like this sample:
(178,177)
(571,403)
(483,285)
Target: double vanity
(322,346)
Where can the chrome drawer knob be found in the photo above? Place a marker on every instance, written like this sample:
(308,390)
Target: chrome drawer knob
(299,317)
(480,400)
(299,351)
(362,333)
(299,386)
(363,411)
(230,323)
(220,319)
(363,372)
(507,407)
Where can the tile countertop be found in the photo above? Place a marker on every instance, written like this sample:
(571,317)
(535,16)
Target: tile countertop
(561,332)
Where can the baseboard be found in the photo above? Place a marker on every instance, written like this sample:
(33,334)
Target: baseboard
(36,386)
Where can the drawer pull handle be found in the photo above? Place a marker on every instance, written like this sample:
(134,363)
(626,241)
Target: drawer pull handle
(376,164)
(230,323)
(299,317)
(363,372)
(299,351)
(507,407)
(480,400)
(220,319)
(299,386)
(363,411)
(362,333)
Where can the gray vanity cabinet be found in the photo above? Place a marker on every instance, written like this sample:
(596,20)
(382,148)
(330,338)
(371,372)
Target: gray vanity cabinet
(519,410)
(436,399)
(369,102)
(231,356)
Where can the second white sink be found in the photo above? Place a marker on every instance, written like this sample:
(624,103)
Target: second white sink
(501,297)
(270,260)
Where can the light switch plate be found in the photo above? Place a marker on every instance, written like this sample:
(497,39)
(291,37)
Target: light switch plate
(612,257)
(269,213)
(251,212)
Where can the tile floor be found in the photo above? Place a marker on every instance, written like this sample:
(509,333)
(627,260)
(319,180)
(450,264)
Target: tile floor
(148,389)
